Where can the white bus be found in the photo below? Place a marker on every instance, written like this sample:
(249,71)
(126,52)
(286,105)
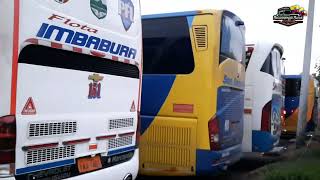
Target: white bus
(264,99)
(70,77)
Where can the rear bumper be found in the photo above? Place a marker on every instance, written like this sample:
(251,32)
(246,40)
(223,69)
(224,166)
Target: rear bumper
(213,162)
(288,134)
(263,141)
(117,172)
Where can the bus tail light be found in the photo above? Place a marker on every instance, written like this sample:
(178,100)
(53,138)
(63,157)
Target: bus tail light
(283,114)
(138,129)
(7,145)
(213,126)
(266,117)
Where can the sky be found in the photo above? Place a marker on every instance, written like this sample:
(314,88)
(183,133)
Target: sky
(258,18)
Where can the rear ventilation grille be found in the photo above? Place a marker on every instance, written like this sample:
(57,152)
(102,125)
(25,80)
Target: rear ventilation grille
(53,128)
(168,146)
(47,155)
(120,123)
(119,142)
(201,37)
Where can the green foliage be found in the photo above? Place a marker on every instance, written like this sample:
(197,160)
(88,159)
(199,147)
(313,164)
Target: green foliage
(317,74)
(305,168)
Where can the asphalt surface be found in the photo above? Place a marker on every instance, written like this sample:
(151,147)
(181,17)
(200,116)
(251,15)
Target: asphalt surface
(240,170)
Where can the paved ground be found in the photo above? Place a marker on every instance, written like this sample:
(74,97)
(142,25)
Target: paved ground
(240,170)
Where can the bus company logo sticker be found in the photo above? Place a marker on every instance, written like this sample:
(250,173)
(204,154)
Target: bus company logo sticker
(99,8)
(133,107)
(75,38)
(289,16)
(29,108)
(95,86)
(126,12)
(61,1)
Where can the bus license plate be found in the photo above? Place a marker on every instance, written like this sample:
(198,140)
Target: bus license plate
(88,164)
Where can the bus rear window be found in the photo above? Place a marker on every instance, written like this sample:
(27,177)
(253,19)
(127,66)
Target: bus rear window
(292,87)
(232,38)
(167,46)
(50,57)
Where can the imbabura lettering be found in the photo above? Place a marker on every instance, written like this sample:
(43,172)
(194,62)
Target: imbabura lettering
(69,36)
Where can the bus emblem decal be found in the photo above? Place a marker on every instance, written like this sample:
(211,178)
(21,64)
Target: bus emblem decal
(95,86)
(99,8)
(61,1)
(126,12)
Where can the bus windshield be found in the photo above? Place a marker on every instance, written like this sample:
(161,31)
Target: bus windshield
(293,87)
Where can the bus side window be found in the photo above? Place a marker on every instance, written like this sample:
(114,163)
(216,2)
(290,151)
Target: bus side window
(167,46)
(267,65)
(232,43)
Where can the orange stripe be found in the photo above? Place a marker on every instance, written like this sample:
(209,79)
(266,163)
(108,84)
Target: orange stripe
(15,52)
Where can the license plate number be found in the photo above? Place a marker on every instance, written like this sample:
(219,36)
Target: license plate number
(88,164)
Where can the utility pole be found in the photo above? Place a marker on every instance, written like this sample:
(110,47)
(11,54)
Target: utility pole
(305,78)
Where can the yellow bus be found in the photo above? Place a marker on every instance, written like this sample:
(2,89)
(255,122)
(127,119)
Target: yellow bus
(192,92)
(292,95)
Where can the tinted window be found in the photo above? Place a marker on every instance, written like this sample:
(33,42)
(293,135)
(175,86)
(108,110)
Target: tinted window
(292,87)
(45,56)
(267,65)
(232,38)
(166,46)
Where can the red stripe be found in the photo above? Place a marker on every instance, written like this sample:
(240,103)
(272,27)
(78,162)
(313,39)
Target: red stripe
(106,137)
(115,58)
(15,52)
(56,45)
(126,61)
(78,141)
(78,50)
(33,41)
(98,54)
(140,80)
(48,145)
(126,134)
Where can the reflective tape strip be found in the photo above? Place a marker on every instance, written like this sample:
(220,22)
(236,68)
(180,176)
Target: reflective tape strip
(248,111)
(38,146)
(106,137)
(77,141)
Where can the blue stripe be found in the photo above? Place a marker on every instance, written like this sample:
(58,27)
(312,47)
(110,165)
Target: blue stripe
(263,141)
(190,20)
(176,14)
(118,151)
(291,104)
(44,166)
(155,90)
(212,162)
(291,76)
